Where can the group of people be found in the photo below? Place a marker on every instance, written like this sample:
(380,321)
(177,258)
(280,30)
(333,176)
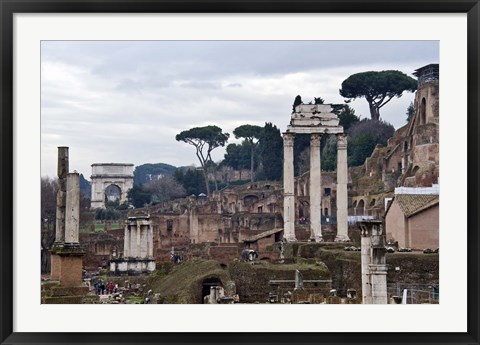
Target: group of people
(106,288)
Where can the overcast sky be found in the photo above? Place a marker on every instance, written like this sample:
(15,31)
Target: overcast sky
(124,101)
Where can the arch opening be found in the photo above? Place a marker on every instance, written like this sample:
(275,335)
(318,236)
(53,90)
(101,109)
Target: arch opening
(113,193)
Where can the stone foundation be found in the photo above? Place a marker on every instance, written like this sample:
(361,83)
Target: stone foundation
(54,293)
(67,265)
(132,266)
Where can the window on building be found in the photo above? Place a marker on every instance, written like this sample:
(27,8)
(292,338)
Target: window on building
(327,191)
(423,112)
(169,225)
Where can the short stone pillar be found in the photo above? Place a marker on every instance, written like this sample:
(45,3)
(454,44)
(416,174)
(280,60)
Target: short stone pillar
(374,268)
(365,261)
(288,189)
(298,280)
(342,193)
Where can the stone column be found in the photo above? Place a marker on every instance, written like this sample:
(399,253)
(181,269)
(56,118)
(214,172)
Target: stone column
(366,244)
(315,189)
(378,267)
(342,194)
(133,239)
(143,240)
(138,240)
(150,242)
(72,210)
(62,171)
(126,242)
(288,188)
(378,279)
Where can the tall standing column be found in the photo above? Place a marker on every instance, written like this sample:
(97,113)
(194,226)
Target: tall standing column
(315,189)
(62,171)
(342,194)
(72,210)
(288,188)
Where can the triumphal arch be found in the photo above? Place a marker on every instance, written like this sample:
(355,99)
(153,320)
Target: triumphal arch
(315,120)
(110,182)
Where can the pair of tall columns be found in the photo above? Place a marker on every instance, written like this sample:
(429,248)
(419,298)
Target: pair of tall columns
(315,188)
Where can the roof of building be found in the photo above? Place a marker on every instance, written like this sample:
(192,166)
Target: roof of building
(432,66)
(411,204)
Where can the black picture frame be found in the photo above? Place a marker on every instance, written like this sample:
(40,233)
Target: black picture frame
(7,175)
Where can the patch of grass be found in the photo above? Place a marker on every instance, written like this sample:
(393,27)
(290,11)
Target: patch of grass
(133,299)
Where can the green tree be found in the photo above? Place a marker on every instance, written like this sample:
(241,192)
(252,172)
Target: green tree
(329,153)
(364,136)
(48,209)
(138,196)
(205,140)
(347,117)
(164,188)
(378,88)
(301,153)
(191,179)
(271,148)
(146,172)
(410,111)
(252,135)
(237,157)
(296,101)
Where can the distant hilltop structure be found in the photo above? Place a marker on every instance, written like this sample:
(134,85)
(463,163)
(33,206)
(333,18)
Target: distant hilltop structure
(110,182)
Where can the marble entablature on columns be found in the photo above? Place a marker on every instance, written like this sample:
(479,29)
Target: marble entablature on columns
(315,120)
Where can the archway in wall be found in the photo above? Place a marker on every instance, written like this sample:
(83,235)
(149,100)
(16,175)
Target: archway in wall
(207,284)
(423,111)
(415,169)
(113,193)
(360,209)
(250,199)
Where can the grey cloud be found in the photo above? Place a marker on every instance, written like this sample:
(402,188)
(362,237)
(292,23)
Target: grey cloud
(203,85)
(138,95)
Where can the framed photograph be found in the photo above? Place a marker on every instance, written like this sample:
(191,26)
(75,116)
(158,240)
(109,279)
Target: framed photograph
(95,83)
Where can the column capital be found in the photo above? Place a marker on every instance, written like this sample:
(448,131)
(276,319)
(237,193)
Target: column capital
(288,139)
(342,141)
(315,139)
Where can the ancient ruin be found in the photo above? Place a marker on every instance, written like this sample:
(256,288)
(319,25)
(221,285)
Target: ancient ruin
(315,120)
(66,283)
(66,252)
(268,242)
(110,182)
(374,268)
(137,249)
